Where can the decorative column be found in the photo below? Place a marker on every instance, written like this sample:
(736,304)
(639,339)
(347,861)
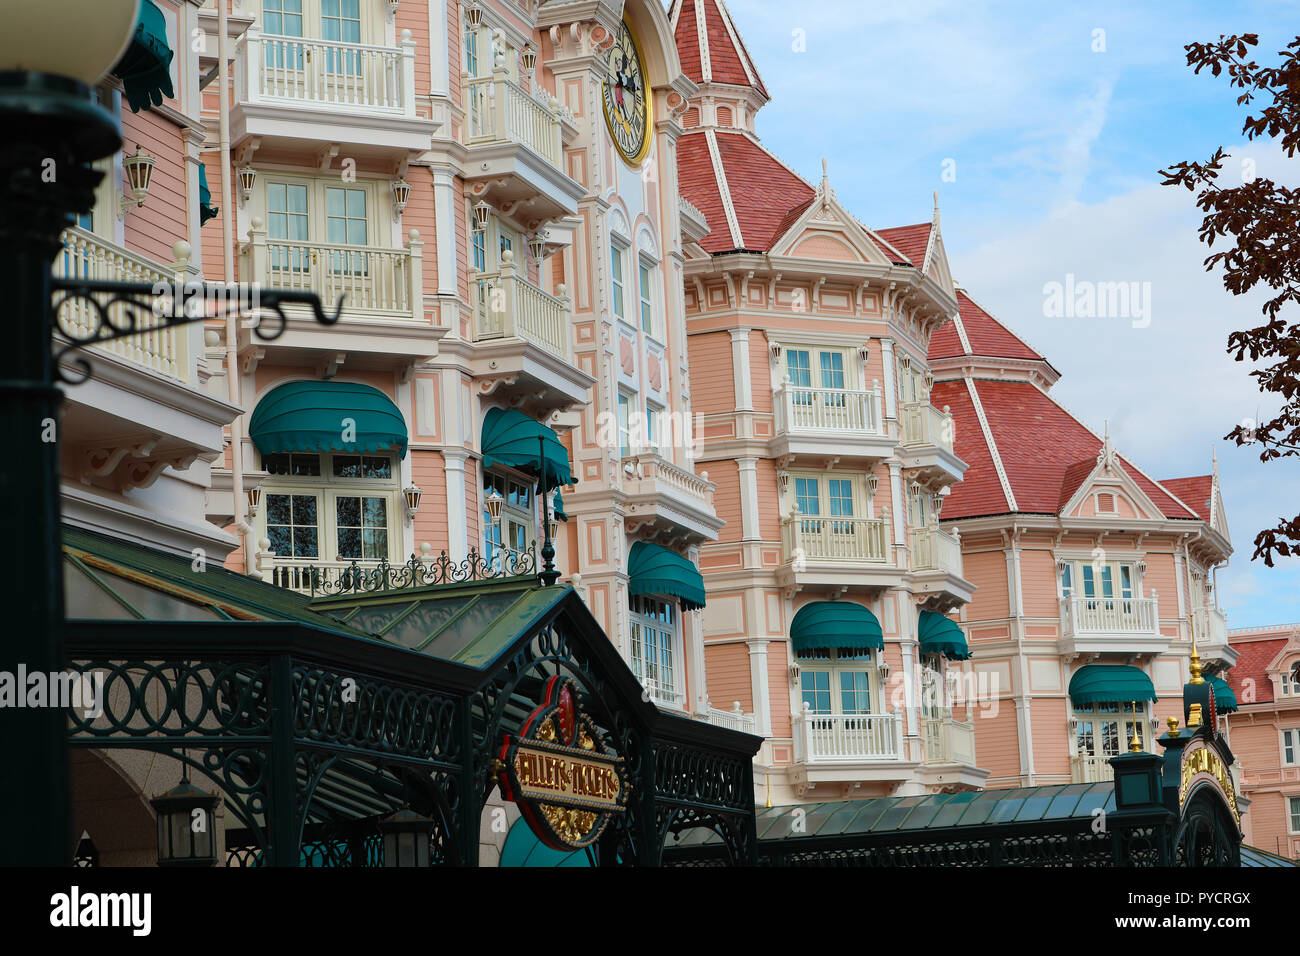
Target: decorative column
(748,498)
(457,521)
(759,683)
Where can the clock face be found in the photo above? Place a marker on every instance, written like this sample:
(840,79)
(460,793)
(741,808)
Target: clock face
(626,100)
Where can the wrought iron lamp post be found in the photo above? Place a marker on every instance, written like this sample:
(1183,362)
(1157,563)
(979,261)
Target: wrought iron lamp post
(49,56)
(549,573)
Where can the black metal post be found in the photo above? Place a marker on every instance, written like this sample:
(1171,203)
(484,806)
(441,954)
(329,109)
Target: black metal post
(549,573)
(54,131)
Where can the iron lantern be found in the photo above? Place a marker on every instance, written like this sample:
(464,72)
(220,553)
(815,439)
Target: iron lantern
(528,56)
(537,247)
(247,180)
(186,816)
(407,836)
(493,502)
(481,210)
(137,172)
(474,15)
(254,496)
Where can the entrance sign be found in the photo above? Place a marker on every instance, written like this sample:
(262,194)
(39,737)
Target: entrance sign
(567,783)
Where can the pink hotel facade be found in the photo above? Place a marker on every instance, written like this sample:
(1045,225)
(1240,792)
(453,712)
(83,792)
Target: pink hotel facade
(868,470)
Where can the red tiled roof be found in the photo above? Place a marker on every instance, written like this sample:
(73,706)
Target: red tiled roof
(727,58)
(1193,492)
(1255,656)
(979,492)
(986,335)
(765,196)
(911,241)
(1044,450)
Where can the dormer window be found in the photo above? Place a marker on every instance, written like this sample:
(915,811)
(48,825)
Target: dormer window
(1105,504)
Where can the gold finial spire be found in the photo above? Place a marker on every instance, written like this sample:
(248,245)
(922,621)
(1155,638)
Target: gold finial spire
(767,778)
(1195,665)
(1194,716)
(1173,726)
(1135,745)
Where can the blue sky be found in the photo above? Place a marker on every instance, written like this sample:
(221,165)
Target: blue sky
(1054,148)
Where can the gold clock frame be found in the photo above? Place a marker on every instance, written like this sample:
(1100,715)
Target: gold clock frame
(636,161)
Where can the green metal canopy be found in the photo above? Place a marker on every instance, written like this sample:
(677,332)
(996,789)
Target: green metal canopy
(940,634)
(843,625)
(206,209)
(1225,701)
(145,67)
(319,416)
(1109,683)
(653,569)
(510,438)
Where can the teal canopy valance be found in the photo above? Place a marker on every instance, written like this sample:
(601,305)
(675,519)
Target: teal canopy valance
(1110,683)
(839,625)
(510,438)
(145,67)
(653,569)
(327,416)
(206,209)
(940,634)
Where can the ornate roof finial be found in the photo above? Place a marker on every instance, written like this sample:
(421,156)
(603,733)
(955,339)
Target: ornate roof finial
(824,191)
(936,209)
(1195,665)
(1106,457)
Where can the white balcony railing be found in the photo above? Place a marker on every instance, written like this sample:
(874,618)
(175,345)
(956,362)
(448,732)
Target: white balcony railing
(307,72)
(87,256)
(299,574)
(847,737)
(1211,627)
(501,111)
(509,306)
(371,278)
(832,410)
(949,741)
(1091,768)
(654,469)
(923,424)
(933,549)
(835,539)
(1116,616)
(734,719)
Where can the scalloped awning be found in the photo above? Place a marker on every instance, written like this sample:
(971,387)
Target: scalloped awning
(315,416)
(145,67)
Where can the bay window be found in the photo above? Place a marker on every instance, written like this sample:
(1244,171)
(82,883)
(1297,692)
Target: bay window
(656,647)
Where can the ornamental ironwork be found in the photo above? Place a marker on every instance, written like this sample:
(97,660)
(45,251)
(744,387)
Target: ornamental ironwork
(418,571)
(108,310)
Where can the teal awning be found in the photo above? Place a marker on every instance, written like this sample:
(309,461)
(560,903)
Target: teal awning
(842,625)
(1110,683)
(653,569)
(940,634)
(510,438)
(1225,701)
(319,416)
(524,849)
(145,67)
(206,209)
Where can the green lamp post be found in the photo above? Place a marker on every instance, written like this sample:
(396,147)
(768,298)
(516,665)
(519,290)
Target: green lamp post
(50,54)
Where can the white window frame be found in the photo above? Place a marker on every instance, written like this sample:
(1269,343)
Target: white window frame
(1081,572)
(618,284)
(317,206)
(647,278)
(313,22)
(1289,684)
(623,404)
(644,619)
(1293,814)
(513,515)
(1289,738)
(327,489)
(860,501)
(1123,716)
(833,665)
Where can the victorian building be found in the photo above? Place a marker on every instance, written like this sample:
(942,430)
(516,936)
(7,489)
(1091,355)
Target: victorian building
(1264,732)
(1092,578)
(831,586)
